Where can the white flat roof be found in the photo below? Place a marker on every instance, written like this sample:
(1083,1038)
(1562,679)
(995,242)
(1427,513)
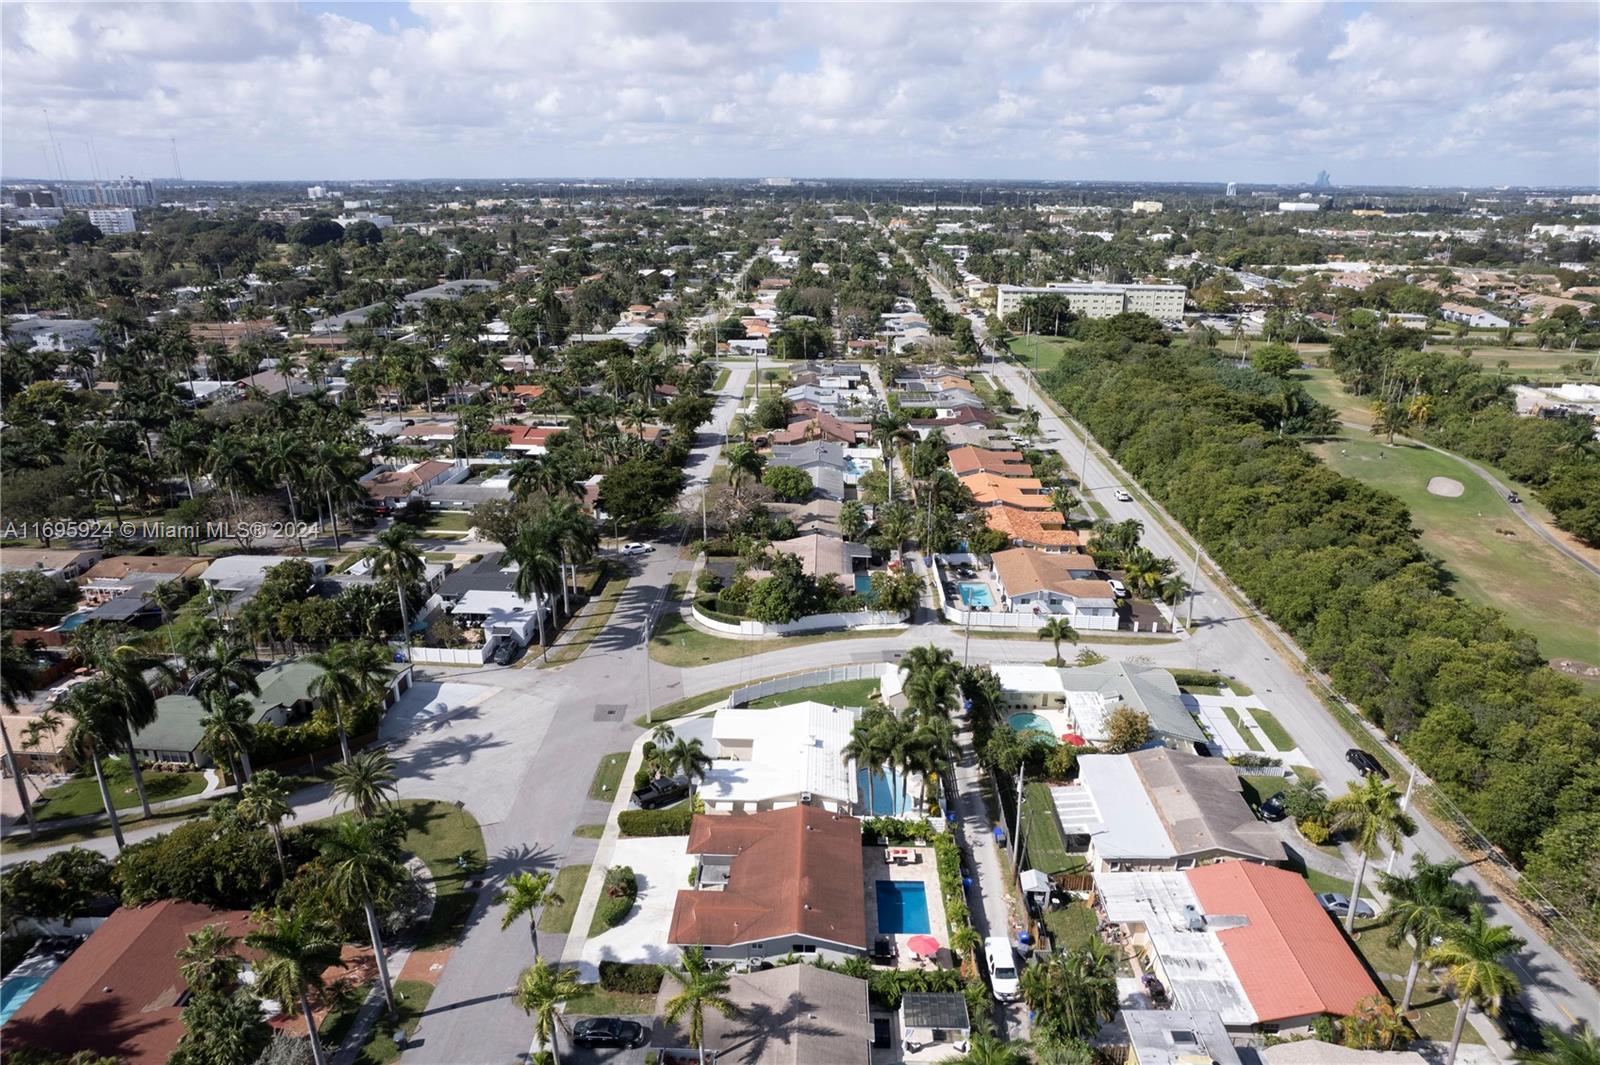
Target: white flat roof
(1019,677)
(794,749)
(1111,806)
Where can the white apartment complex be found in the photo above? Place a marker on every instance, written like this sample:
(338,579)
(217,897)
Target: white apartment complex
(109,220)
(1087,300)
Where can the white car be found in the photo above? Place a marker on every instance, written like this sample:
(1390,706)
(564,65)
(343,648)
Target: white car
(1003,978)
(1339,905)
(1123,496)
(1118,589)
(636,548)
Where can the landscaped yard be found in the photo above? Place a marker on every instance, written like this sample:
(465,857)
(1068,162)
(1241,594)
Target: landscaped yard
(596,1001)
(567,888)
(449,840)
(1273,728)
(1258,789)
(81,795)
(1436,1012)
(844,693)
(607,775)
(1047,850)
(1040,353)
(412,1000)
(677,643)
(1074,925)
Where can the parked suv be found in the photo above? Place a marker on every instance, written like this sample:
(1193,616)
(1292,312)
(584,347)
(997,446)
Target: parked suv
(1002,968)
(662,791)
(506,653)
(1364,763)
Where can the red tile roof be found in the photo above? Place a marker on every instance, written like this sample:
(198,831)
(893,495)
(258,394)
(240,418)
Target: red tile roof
(795,871)
(525,435)
(1036,528)
(969,459)
(1290,957)
(117,995)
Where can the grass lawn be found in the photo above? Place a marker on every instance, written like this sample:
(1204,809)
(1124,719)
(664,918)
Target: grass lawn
(844,693)
(50,837)
(1074,925)
(607,775)
(722,379)
(447,521)
(568,888)
(449,840)
(1258,789)
(1494,558)
(589,831)
(1244,731)
(680,707)
(411,999)
(1047,850)
(596,1001)
(1274,729)
(1305,772)
(1040,353)
(586,626)
(677,643)
(81,795)
(1435,1012)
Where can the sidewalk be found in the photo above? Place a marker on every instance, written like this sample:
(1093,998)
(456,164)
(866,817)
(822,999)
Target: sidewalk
(18,828)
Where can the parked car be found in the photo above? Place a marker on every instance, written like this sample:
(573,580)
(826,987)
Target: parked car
(662,791)
(1118,589)
(1364,763)
(1123,496)
(1002,968)
(636,548)
(1273,809)
(609,1032)
(1339,905)
(506,653)
(1513,498)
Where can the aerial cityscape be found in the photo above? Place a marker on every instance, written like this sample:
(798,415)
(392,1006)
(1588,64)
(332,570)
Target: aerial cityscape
(802,534)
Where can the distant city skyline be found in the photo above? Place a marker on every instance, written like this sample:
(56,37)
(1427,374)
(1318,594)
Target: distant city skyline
(1393,94)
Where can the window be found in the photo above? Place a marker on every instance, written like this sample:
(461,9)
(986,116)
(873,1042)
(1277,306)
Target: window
(802,948)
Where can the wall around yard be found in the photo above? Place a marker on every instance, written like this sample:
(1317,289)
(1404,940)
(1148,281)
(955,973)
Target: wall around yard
(811,679)
(861,619)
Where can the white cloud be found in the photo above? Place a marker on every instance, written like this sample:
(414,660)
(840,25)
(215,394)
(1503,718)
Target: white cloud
(1439,93)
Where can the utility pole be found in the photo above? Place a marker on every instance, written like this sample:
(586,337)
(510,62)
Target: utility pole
(1194,575)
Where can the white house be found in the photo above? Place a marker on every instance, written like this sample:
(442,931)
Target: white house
(785,756)
(1078,700)
(1476,317)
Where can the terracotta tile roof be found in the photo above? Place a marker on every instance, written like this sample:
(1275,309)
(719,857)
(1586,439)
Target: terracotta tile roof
(525,435)
(1023,569)
(795,871)
(117,995)
(396,484)
(119,567)
(1038,528)
(1290,957)
(1025,492)
(969,459)
(524,391)
(961,416)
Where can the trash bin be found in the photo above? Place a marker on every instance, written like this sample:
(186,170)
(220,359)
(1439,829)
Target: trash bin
(1000,835)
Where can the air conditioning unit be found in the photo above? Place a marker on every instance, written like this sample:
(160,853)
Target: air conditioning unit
(805,798)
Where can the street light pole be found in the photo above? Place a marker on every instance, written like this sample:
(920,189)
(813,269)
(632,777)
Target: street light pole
(1194,575)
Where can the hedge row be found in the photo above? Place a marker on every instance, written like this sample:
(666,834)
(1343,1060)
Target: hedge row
(672,821)
(631,978)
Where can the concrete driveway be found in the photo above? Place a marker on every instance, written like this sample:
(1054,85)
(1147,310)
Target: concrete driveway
(662,870)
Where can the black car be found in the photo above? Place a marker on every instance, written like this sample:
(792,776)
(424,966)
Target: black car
(662,791)
(1364,763)
(506,653)
(1513,498)
(1273,809)
(610,1032)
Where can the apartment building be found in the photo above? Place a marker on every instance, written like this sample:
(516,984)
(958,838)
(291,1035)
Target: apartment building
(1163,302)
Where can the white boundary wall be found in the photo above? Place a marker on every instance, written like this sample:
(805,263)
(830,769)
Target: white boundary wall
(862,619)
(808,679)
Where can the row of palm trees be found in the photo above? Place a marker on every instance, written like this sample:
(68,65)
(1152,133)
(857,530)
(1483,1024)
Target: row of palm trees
(919,739)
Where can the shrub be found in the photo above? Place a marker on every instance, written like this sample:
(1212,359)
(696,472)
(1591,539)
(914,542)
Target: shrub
(672,821)
(708,581)
(1314,831)
(621,889)
(631,978)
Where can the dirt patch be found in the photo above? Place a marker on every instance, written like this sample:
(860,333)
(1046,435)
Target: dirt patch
(1446,486)
(1574,668)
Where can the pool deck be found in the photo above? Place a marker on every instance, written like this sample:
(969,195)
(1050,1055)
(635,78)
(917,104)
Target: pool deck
(922,869)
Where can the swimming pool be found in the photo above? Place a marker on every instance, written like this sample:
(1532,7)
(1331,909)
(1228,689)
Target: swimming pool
(15,991)
(856,466)
(902,908)
(882,799)
(864,586)
(1025,722)
(975,594)
(73,621)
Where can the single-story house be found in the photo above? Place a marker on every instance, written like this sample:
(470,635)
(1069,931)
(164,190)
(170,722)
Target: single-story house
(1034,581)
(1476,317)
(484,593)
(934,1025)
(1245,941)
(111,577)
(526,439)
(1179,1037)
(780,757)
(388,487)
(825,462)
(826,556)
(967,459)
(63,562)
(787,1015)
(774,883)
(1026,493)
(1044,529)
(240,576)
(1162,809)
(1083,697)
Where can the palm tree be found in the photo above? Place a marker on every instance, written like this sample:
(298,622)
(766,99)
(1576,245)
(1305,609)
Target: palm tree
(541,990)
(895,524)
(687,757)
(1471,958)
(744,461)
(1565,1048)
(702,985)
(575,536)
(353,675)
(987,1048)
(17,682)
(297,949)
(931,694)
(96,728)
(222,666)
(538,560)
(1388,419)
(526,894)
(226,732)
(366,782)
(210,960)
(363,869)
(887,428)
(1422,906)
(1370,813)
(865,750)
(265,799)
(926,752)
(1055,630)
(393,555)
(1072,992)
(124,668)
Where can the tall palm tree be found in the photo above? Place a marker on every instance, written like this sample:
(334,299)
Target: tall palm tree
(265,800)
(97,727)
(210,960)
(575,535)
(702,986)
(541,990)
(744,462)
(395,556)
(895,523)
(525,895)
(926,753)
(1472,959)
(986,1048)
(932,694)
(222,667)
(1055,630)
(1370,813)
(687,757)
(1423,906)
(1565,1048)
(887,428)
(343,685)
(866,751)
(367,782)
(18,679)
(538,559)
(298,948)
(226,733)
(364,869)
(124,668)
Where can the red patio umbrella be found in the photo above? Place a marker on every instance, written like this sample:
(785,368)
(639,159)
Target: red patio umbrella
(1074,739)
(923,946)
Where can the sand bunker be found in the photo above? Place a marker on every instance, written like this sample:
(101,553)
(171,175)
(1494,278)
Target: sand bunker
(1445,486)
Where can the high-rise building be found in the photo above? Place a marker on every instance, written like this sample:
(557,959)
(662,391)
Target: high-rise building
(1233,188)
(1323,180)
(109,220)
(123,192)
(316,192)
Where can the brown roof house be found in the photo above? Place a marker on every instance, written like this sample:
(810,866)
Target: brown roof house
(788,1015)
(774,883)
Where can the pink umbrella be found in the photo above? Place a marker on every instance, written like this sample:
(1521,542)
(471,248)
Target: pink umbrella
(923,946)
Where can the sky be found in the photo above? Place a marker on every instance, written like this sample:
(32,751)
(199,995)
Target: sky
(1383,93)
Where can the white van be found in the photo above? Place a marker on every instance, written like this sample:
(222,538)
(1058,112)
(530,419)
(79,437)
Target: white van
(1002,968)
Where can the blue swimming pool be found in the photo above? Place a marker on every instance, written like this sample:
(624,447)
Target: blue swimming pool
(975,594)
(864,585)
(882,798)
(73,621)
(18,989)
(1025,722)
(902,908)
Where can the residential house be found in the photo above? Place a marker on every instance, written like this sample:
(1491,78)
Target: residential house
(526,439)
(63,562)
(968,460)
(1476,317)
(934,1026)
(484,594)
(273,383)
(239,577)
(772,884)
(1161,809)
(1026,493)
(776,758)
(389,488)
(827,557)
(1081,698)
(429,433)
(1042,529)
(1180,1037)
(1248,942)
(42,333)
(827,464)
(979,416)
(825,427)
(1038,582)
(231,334)
(786,1015)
